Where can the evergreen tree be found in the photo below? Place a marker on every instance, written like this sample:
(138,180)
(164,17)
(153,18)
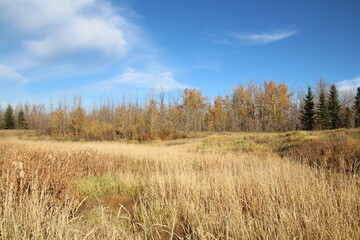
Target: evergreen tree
(334,108)
(9,118)
(308,113)
(347,118)
(21,121)
(357,108)
(322,114)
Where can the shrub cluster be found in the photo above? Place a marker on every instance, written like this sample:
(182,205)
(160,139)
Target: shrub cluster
(339,153)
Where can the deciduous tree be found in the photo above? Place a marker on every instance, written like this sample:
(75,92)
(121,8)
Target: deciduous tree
(240,100)
(77,116)
(194,107)
(218,114)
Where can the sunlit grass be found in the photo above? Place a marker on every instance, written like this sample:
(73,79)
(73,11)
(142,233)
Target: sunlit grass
(188,188)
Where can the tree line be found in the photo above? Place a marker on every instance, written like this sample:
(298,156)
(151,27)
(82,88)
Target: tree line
(327,112)
(8,119)
(267,107)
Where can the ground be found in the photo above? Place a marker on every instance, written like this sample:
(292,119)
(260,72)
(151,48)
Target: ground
(203,186)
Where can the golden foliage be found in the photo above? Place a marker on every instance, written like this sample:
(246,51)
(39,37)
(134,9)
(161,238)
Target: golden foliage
(77,122)
(59,121)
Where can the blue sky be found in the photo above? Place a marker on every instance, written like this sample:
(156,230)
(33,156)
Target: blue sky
(102,47)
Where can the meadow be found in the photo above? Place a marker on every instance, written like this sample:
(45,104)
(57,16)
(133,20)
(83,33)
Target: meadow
(291,185)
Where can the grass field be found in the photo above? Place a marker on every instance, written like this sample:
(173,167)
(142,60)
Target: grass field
(294,185)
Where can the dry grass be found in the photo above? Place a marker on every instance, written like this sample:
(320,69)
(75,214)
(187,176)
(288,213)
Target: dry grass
(337,150)
(169,190)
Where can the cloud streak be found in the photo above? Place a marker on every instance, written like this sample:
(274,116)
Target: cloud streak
(263,38)
(8,73)
(150,79)
(349,85)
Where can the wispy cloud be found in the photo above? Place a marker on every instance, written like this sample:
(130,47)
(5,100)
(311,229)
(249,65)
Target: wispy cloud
(264,38)
(150,79)
(8,73)
(349,85)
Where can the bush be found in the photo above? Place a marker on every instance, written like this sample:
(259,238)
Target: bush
(341,153)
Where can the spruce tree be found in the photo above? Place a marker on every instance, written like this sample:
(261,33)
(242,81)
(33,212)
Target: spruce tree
(334,108)
(357,108)
(322,114)
(347,118)
(308,113)
(9,118)
(21,122)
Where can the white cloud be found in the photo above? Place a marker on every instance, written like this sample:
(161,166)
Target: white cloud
(56,28)
(155,80)
(59,39)
(264,38)
(349,85)
(35,15)
(80,34)
(8,73)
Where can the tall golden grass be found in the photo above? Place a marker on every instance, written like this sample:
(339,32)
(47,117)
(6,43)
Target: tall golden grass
(168,190)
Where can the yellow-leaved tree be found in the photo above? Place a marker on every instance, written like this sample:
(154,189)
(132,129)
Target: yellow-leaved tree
(60,121)
(194,109)
(77,116)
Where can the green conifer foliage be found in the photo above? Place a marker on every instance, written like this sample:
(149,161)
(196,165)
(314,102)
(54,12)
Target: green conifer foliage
(357,108)
(322,114)
(21,121)
(307,117)
(9,118)
(347,118)
(334,108)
